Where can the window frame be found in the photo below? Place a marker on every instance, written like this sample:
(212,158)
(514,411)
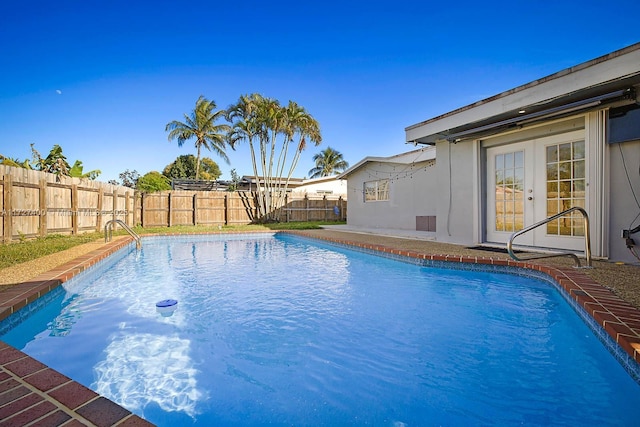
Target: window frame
(376,191)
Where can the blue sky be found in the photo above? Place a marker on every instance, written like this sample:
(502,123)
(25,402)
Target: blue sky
(103,78)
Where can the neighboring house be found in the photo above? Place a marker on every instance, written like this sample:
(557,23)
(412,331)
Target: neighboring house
(519,157)
(198,185)
(323,186)
(328,185)
(250,182)
(386,192)
(509,161)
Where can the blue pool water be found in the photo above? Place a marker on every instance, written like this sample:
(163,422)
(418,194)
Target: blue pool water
(287,331)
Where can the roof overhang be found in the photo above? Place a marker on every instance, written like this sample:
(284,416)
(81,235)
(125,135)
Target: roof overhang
(410,157)
(250,179)
(609,80)
(320,179)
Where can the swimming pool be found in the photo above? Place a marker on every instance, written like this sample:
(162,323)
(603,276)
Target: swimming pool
(285,330)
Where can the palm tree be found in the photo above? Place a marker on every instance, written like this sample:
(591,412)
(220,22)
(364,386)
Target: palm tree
(328,162)
(261,122)
(201,125)
(245,126)
(297,121)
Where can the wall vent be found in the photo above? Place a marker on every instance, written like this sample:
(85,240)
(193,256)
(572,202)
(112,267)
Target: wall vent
(426,223)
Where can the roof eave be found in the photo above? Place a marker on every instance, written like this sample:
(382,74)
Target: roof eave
(616,71)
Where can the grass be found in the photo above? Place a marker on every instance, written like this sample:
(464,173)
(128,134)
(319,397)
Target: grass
(27,250)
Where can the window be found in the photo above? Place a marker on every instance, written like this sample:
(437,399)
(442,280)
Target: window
(509,191)
(376,190)
(565,187)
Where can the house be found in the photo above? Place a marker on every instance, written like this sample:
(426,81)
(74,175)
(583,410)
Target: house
(251,182)
(327,185)
(198,185)
(322,186)
(381,191)
(519,157)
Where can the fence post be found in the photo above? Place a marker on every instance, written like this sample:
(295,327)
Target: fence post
(43,207)
(286,206)
(127,205)
(142,204)
(74,209)
(306,203)
(99,209)
(345,206)
(134,213)
(7,196)
(227,209)
(114,203)
(170,208)
(195,208)
(326,213)
(256,205)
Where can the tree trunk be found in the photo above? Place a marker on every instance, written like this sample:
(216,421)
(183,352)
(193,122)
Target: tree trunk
(198,162)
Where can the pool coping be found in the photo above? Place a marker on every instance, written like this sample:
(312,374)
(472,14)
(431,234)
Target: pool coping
(33,393)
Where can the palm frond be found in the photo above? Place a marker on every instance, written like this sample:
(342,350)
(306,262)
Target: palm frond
(201,125)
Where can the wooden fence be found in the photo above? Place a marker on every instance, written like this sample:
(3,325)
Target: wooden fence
(36,204)
(169,208)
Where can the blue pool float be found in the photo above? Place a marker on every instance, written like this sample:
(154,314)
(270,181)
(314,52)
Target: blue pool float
(166,307)
(166,303)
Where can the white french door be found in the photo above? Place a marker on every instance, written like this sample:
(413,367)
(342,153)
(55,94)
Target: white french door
(509,191)
(533,180)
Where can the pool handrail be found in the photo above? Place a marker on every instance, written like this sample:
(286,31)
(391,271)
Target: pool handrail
(587,239)
(108,231)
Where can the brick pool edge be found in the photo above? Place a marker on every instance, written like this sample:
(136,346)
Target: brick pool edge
(31,392)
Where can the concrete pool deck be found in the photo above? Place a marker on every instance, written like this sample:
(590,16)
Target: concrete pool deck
(33,394)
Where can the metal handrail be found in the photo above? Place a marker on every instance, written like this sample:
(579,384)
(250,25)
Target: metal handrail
(108,231)
(587,239)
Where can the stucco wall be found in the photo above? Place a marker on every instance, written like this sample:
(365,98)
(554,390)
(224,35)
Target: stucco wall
(623,206)
(456,194)
(412,192)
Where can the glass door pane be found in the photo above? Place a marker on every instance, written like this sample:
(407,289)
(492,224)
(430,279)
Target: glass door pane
(565,164)
(509,191)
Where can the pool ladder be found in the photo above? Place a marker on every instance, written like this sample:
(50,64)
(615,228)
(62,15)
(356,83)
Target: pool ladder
(108,232)
(587,239)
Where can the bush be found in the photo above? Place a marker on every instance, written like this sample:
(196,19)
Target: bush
(152,182)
